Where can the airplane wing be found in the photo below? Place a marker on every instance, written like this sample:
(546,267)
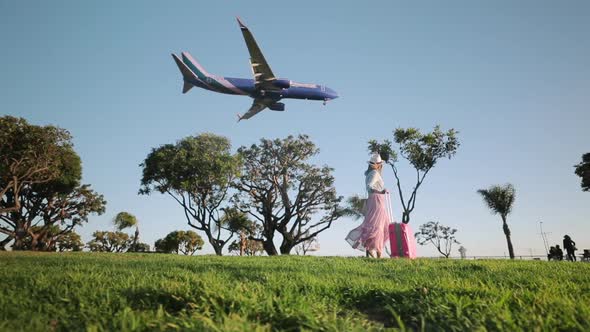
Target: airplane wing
(263,75)
(257,106)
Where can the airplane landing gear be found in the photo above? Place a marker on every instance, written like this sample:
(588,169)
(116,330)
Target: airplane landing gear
(325,101)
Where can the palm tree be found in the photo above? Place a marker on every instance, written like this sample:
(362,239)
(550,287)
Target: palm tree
(583,171)
(125,220)
(500,199)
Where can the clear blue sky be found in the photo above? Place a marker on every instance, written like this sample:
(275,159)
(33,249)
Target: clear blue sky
(512,77)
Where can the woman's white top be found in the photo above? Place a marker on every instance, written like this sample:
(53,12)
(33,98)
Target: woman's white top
(374,181)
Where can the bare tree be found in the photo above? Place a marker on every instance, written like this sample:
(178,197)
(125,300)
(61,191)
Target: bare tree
(440,236)
(307,246)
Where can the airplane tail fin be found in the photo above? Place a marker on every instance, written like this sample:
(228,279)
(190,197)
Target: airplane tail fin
(194,66)
(187,74)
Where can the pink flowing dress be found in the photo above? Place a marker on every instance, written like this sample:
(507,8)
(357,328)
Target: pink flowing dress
(373,233)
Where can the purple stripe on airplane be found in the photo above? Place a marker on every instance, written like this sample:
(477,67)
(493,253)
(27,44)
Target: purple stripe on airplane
(230,86)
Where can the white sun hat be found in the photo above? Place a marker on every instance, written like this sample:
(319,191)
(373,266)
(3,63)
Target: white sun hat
(375,159)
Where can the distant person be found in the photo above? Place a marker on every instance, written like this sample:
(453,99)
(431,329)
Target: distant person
(558,253)
(373,233)
(570,248)
(555,253)
(551,254)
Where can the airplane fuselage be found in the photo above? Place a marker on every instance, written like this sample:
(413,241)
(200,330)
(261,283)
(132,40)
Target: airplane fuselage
(247,87)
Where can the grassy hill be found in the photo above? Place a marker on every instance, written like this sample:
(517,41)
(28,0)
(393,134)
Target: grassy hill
(124,292)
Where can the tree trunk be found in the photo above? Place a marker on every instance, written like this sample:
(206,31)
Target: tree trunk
(215,244)
(269,247)
(19,238)
(286,247)
(242,243)
(508,240)
(218,250)
(34,243)
(4,242)
(135,238)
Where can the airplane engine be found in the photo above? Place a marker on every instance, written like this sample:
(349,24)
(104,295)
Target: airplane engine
(282,83)
(277,107)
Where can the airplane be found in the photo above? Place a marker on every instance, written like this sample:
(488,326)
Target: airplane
(266,89)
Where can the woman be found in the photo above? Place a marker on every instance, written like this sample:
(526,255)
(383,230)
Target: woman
(373,233)
(570,248)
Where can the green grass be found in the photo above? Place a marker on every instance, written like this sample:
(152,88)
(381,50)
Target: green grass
(125,292)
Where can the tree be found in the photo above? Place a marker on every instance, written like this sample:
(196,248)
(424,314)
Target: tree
(54,239)
(247,229)
(354,207)
(169,244)
(139,247)
(28,155)
(247,247)
(48,242)
(196,172)
(500,200)
(105,241)
(185,242)
(235,246)
(422,151)
(306,246)
(61,201)
(583,171)
(70,241)
(283,192)
(463,252)
(190,243)
(124,220)
(161,245)
(440,236)
(239,222)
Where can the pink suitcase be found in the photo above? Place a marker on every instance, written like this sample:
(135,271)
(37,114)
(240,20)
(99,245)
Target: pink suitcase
(402,241)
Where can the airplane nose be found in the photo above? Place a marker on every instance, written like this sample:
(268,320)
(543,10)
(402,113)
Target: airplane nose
(333,94)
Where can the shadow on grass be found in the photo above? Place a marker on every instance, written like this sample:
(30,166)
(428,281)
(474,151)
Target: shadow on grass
(391,308)
(217,307)
(152,299)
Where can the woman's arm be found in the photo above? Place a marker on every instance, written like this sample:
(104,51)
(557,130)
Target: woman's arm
(375,183)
